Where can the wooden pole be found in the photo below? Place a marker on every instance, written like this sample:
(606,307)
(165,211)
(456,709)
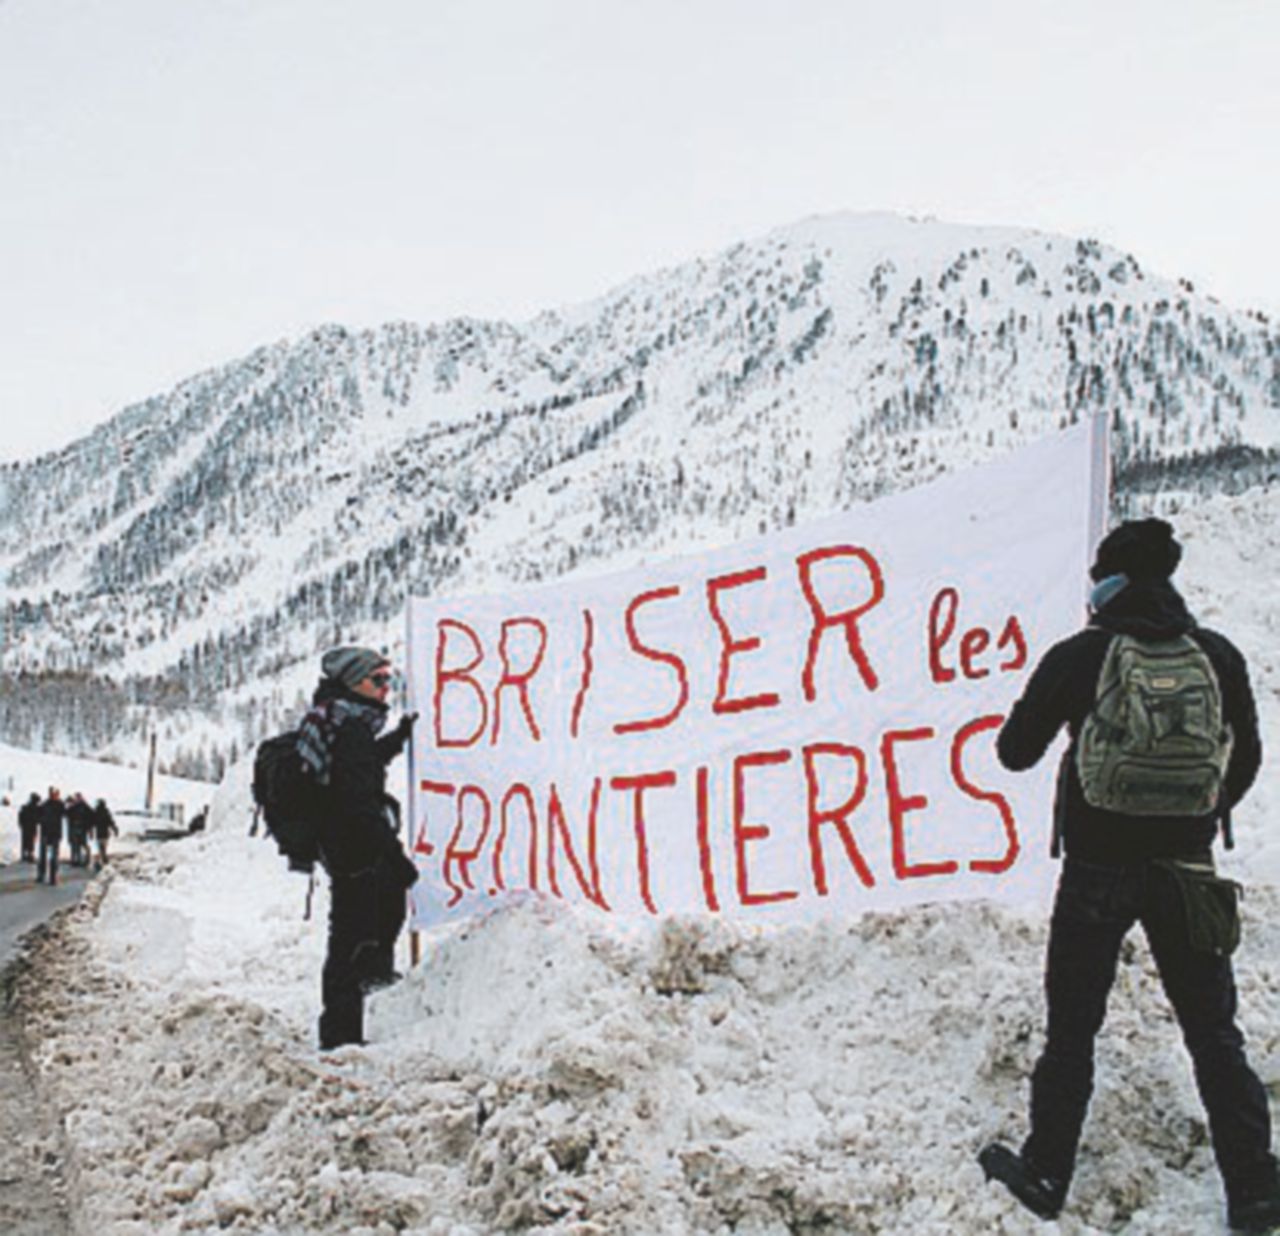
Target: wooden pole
(151,774)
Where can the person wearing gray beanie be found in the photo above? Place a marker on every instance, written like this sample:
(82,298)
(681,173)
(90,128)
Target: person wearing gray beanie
(350,665)
(341,741)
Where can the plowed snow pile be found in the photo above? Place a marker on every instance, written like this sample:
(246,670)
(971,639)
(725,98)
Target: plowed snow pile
(546,1070)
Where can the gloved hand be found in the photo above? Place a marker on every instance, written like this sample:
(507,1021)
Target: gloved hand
(406,869)
(404,731)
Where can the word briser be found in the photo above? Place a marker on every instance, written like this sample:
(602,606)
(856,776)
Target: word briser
(466,712)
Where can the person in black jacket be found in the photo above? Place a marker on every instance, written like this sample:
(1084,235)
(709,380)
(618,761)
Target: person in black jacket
(28,826)
(52,813)
(79,822)
(104,828)
(1120,869)
(369,871)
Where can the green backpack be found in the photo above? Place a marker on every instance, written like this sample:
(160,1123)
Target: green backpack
(1155,742)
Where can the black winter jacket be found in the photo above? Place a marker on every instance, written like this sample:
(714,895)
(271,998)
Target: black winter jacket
(1062,690)
(104,823)
(52,812)
(355,828)
(79,817)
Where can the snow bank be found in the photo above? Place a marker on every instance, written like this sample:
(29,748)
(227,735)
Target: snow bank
(547,1070)
(542,1070)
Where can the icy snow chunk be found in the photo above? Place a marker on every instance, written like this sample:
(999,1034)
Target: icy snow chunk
(197,1137)
(189,1180)
(232,1200)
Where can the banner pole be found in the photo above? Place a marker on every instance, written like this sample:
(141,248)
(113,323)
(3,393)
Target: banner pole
(1099,476)
(415,942)
(1099,482)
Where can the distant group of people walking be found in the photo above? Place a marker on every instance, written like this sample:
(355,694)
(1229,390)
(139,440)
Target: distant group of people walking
(41,823)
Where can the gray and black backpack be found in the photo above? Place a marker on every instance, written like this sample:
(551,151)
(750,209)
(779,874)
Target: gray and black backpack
(1155,742)
(287,800)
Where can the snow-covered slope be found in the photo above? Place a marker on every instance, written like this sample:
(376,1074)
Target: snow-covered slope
(201,546)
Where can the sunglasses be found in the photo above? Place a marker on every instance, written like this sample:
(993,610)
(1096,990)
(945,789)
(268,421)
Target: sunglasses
(380,680)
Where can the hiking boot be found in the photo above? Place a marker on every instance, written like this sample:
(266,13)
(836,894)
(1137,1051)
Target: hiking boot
(1042,1195)
(378,982)
(1256,1214)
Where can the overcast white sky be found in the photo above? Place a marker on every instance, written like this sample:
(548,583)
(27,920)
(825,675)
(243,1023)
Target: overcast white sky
(183,180)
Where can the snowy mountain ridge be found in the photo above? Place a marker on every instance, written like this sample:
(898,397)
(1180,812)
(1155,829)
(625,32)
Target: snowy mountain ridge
(198,548)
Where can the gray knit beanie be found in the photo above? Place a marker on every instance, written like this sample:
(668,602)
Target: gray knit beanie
(351,666)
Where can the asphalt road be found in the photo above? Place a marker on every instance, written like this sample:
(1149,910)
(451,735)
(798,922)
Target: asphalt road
(33,1195)
(24,904)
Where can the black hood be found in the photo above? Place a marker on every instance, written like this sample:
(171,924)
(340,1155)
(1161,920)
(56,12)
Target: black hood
(1150,609)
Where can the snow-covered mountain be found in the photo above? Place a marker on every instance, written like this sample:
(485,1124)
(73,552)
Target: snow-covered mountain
(196,550)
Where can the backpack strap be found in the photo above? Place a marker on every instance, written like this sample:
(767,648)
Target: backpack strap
(1228,837)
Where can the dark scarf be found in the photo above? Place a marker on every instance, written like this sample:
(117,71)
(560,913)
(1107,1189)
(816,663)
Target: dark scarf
(332,706)
(1149,609)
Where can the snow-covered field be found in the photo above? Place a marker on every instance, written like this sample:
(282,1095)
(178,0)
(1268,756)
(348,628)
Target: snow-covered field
(547,1070)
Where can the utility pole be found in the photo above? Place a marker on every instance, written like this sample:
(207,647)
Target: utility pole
(151,774)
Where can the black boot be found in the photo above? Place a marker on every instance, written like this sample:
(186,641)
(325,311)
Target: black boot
(1042,1195)
(377,982)
(1258,1214)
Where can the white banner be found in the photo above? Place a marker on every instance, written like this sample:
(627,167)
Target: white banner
(793,726)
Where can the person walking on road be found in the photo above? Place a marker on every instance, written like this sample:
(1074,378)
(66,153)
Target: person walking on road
(53,811)
(79,822)
(1164,743)
(104,828)
(28,826)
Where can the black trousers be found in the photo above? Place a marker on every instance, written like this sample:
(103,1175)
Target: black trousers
(29,840)
(366,912)
(1095,908)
